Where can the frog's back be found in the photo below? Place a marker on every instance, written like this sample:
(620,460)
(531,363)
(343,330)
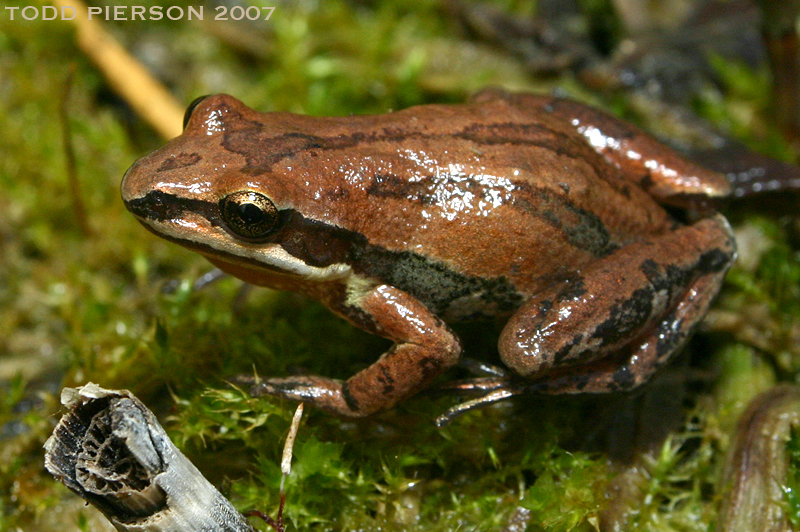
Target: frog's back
(460,196)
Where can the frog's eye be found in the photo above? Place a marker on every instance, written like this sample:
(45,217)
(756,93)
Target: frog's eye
(249,214)
(189,110)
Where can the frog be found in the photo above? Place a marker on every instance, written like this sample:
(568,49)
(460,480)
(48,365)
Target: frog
(567,223)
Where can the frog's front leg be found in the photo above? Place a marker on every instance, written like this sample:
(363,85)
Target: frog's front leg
(612,325)
(424,348)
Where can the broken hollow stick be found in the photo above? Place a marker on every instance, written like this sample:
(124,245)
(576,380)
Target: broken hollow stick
(110,450)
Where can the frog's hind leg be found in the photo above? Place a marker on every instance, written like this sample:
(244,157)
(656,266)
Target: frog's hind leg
(630,367)
(612,326)
(636,362)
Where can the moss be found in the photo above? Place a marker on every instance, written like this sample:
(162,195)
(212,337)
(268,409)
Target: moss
(117,306)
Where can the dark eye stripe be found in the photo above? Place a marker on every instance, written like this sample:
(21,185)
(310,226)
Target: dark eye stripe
(160,206)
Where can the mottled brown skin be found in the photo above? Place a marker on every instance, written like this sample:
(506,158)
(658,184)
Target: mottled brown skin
(536,208)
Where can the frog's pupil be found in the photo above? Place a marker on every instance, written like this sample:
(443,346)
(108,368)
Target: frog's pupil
(250,213)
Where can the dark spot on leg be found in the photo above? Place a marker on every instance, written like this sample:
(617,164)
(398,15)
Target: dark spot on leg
(387,381)
(650,269)
(627,317)
(562,353)
(430,367)
(713,261)
(574,288)
(349,399)
(623,378)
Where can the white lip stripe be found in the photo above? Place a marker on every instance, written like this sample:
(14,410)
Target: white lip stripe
(271,255)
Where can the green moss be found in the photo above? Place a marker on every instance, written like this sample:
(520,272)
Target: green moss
(117,307)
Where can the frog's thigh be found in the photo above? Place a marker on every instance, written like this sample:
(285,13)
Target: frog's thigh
(424,348)
(661,171)
(639,304)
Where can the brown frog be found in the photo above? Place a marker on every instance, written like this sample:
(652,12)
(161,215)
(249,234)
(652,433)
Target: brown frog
(536,209)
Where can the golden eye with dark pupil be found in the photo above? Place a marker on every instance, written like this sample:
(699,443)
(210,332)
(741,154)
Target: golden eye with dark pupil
(249,214)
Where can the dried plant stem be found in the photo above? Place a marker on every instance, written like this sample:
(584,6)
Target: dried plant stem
(758,464)
(286,469)
(109,449)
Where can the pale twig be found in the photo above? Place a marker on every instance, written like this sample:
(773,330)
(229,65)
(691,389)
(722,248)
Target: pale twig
(126,75)
(286,468)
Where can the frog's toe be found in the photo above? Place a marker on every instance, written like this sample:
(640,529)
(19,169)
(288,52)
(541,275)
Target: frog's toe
(482,369)
(494,396)
(328,394)
(306,388)
(480,384)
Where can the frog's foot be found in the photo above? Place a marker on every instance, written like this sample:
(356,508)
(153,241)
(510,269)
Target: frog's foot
(492,382)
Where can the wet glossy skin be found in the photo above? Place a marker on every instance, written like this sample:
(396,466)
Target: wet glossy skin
(532,208)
